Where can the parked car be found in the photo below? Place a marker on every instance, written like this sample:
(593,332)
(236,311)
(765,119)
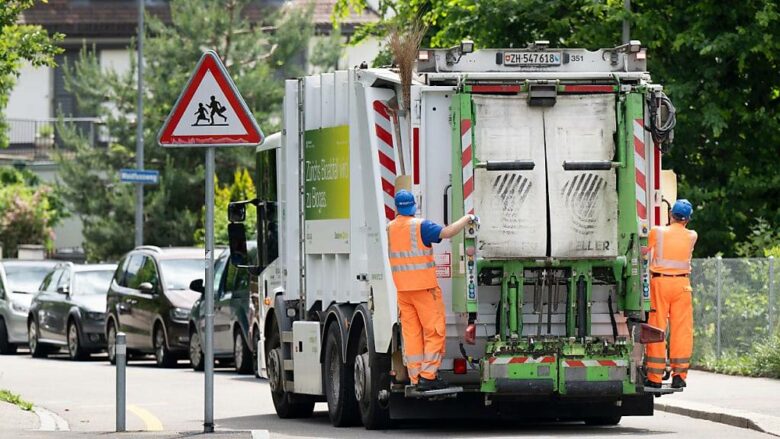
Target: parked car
(233,310)
(69,310)
(19,281)
(150,300)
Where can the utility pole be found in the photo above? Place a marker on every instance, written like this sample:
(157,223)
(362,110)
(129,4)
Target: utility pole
(139,137)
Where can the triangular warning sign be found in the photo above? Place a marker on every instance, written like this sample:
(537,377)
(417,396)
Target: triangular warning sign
(210,111)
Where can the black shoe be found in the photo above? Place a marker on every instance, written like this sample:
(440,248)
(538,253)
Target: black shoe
(678,382)
(652,384)
(425,385)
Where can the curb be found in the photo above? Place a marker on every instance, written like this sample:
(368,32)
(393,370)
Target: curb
(735,418)
(50,421)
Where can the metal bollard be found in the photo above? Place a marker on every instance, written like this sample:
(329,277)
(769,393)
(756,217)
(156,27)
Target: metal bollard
(771,309)
(719,261)
(120,353)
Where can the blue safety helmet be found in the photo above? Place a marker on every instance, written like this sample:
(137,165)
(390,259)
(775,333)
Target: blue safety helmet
(404,203)
(682,210)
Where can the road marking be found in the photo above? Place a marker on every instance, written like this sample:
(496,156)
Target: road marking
(151,421)
(260,434)
(50,421)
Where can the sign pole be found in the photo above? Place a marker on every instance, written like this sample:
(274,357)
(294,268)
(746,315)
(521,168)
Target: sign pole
(208,422)
(139,141)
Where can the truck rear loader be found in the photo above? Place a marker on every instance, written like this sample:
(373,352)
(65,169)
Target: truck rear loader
(558,151)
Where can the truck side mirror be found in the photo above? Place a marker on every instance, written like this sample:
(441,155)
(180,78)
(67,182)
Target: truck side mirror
(237,235)
(236,212)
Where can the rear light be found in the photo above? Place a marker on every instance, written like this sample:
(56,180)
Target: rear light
(650,334)
(459,366)
(471,334)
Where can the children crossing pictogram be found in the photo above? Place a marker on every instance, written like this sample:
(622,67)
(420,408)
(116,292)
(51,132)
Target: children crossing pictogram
(210,111)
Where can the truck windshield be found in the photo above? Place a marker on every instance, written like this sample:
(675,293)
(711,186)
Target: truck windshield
(25,278)
(178,273)
(92,282)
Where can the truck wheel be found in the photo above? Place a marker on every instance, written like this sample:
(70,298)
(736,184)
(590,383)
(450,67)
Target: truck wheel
(287,405)
(6,347)
(339,382)
(370,370)
(603,421)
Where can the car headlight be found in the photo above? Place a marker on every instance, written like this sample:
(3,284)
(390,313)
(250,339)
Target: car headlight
(180,313)
(19,307)
(95,315)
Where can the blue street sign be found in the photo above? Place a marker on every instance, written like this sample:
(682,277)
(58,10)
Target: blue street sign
(139,176)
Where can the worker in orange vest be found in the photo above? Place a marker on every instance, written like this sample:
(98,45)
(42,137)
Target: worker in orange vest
(671,249)
(420,304)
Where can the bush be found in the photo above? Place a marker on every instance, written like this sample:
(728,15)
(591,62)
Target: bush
(764,361)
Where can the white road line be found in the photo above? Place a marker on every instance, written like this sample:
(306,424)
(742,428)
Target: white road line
(260,434)
(50,421)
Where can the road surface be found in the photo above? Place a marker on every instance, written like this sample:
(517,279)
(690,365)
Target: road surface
(171,400)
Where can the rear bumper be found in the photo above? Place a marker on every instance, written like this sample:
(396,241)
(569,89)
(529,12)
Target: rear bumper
(472,406)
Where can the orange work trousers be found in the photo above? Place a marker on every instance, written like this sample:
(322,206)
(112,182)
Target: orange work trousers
(670,299)
(423,329)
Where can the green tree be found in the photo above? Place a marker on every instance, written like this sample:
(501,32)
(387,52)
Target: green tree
(717,63)
(257,55)
(242,188)
(29,211)
(20,43)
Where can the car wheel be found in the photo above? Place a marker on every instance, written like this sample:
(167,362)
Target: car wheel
(6,347)
(196,352)
(287,405)
(37,350)
(75,351)
(162,355)
(242,356)
(111,342)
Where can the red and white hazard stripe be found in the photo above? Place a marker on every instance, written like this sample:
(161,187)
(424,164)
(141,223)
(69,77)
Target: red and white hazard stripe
(520,360)
(640,165)
(467,162)
(387,170)
(594,363)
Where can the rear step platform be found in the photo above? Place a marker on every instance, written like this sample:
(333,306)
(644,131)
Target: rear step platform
(449,392)
(663,390)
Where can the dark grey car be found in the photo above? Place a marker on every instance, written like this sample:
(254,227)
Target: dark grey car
(19,281)
(69,310)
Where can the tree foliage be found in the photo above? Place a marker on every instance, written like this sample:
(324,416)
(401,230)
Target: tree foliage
(242,188)
(20,43)
(29,210)
(718,63)
(257,55)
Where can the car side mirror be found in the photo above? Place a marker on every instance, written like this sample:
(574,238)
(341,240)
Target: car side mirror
(197,285)
(146,287)
(63,289)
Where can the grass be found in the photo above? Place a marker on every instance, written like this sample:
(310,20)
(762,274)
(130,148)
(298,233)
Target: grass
(15,399)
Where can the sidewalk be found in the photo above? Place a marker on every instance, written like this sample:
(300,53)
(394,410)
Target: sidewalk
(739,401)
(13,420)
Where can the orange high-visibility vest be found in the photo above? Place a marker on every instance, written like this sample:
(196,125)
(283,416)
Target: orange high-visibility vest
(410,260)
(672,249)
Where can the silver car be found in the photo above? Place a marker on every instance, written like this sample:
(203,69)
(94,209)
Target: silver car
(19,281)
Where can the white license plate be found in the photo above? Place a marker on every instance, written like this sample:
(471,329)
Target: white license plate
(532,58)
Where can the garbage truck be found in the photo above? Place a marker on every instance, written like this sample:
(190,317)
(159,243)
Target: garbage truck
(558,151)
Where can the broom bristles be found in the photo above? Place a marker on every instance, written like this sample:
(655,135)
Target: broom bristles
(405,44)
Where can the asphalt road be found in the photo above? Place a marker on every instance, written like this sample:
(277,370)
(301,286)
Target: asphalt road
(171,400)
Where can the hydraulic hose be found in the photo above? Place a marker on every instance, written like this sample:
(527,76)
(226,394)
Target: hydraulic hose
(662,129)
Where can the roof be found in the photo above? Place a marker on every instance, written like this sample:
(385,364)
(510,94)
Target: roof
(93,267)
(119,18)
(30,263)
(173,252)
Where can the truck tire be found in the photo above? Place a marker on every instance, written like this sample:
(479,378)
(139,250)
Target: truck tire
(603,421)
(339,381)
(370,369)
(287,405)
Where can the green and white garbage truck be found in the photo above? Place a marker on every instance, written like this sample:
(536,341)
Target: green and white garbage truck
(558,151)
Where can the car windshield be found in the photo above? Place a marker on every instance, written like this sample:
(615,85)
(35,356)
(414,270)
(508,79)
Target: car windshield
(92,282)
(25,278)
(178,273)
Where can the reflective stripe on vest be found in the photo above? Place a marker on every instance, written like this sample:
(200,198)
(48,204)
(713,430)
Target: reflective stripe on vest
(411,262)
(660,263)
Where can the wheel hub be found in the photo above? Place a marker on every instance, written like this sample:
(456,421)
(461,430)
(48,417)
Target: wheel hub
(362,376)
(275,370)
